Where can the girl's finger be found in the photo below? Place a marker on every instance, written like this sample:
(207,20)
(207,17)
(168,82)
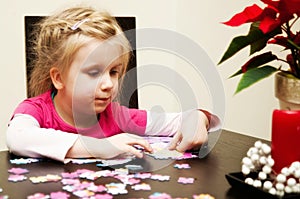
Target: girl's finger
(183,146)
(174,142)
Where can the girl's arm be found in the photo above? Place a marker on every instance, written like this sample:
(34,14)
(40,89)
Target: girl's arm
(167,124)
(26,138)
(189,128)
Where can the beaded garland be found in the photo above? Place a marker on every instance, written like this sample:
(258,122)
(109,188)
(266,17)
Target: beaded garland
(260,161)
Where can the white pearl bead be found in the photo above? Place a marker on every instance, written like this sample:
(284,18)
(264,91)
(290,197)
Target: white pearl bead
(247,161)
(258,144)
(245,170)
(296,165)
(297,173)
(279,186)
(267,185)
(281,178)
(257,183)
(266,149)
(272,191)
(270,161)
(254,157)
(249,181)
(288,189)
(291,182)
(252,151)
(296,189)
(291,170)
(280,193)
(263,160)
(285,171)
(262,175)
(267,169)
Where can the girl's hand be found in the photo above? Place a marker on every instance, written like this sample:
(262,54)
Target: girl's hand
(107,148)
(192,134)
(125,142)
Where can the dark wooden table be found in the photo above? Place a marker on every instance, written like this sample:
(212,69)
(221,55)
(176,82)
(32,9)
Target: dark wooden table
(225,157)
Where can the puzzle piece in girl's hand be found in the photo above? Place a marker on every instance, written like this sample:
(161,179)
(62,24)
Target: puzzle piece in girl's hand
(166,154)
(187,155)
(18,171)
(184,180)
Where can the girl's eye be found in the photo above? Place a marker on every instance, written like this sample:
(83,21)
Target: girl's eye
(93,73)
(114,72)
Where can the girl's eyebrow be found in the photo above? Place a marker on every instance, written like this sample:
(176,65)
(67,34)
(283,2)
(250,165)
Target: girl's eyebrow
(117,65)
(91,66)
(98,66)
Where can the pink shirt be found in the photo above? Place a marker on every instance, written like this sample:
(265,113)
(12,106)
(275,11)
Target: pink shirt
(114,120)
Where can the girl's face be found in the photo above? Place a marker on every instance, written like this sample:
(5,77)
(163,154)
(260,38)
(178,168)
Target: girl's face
(92,81)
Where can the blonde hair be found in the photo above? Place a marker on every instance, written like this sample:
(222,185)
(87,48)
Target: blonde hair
(61,35)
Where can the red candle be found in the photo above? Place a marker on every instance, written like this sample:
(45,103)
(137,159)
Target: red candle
(285,138)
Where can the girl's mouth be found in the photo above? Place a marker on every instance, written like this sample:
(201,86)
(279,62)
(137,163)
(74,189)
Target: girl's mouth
(102,99)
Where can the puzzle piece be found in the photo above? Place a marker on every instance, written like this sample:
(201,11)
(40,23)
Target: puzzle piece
(203,196)
(24,160)
(103,196)
(142,175)
(59,195)
(158,195)
(182,166)
(18,171)
(116,188)
(160,177)
(46,178)
(165,154)
(184,180)
(38,196)
(142,186)
(16,178)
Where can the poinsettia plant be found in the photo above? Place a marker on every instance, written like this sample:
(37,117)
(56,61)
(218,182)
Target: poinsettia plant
(277,23)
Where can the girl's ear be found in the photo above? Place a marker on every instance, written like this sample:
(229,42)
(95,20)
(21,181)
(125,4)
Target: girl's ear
(56,78)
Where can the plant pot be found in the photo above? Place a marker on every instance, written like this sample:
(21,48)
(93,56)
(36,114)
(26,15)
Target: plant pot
(287,90)
(285,138)
(286,121)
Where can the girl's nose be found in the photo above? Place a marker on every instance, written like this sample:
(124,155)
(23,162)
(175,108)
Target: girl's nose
(106,82)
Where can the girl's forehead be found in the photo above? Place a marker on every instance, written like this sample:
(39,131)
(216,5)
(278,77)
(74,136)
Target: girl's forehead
(99,52)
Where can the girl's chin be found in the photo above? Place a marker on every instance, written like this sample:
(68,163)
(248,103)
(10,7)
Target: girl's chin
(99,109)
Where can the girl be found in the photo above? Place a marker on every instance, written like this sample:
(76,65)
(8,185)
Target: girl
(82,55)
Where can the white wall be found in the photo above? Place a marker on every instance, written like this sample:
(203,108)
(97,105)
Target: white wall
(248,112)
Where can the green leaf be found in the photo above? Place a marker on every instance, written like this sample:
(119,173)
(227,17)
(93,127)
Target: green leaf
(235,45)
(255,38)
(239,72)
(255,62)
(254,75)
(261,39)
